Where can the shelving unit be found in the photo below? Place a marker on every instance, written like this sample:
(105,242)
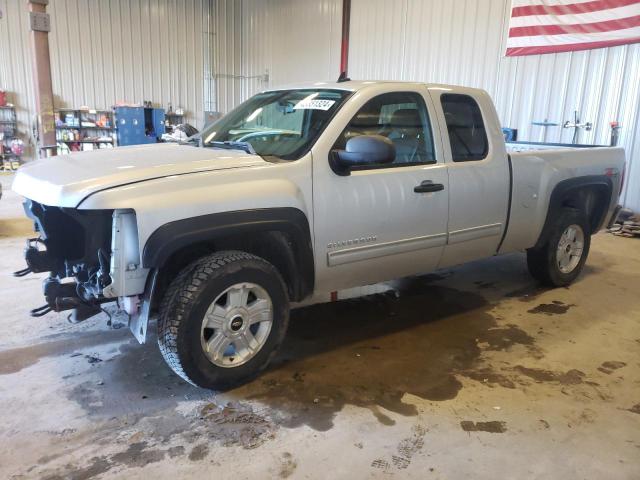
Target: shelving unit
(83,130)
(8,131)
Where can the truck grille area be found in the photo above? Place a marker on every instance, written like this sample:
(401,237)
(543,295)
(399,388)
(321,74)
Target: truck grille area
(70,236)
(71,244)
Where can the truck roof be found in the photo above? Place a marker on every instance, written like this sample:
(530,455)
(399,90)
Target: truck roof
(354,85)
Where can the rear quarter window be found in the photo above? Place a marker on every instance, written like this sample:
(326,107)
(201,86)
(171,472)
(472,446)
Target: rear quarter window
(465,126)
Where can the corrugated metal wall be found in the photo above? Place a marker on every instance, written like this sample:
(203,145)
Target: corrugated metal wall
(267,43)
(213,54)
(15,63)
(104,51)
(462,42)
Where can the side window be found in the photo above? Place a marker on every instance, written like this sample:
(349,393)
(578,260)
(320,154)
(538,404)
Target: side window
(467,134)
(400,116)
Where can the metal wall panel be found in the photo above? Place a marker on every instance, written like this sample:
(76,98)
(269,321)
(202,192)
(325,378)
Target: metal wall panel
(15,64)
(213,54)
(267,43)
(462,43)
(104,51)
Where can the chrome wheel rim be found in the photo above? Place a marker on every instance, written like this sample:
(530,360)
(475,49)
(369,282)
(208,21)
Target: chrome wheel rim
(570,248)
(236,325)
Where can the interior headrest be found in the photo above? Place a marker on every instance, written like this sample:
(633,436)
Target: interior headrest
(405,117)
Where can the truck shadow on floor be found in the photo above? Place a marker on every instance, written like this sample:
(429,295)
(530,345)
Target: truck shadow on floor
(371,352)
(367,352)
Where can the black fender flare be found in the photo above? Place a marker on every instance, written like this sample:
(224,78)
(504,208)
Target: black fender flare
(564,189)
(174,236)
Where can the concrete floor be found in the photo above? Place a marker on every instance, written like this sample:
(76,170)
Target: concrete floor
(473,372)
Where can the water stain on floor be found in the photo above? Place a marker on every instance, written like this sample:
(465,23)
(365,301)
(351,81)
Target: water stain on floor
(199,452)
(483,285)
(528,293)
(491,427)
(370,353)
(610,366)
(287,465)
(570,377)
(16,359)
(554,308)
(135,383)
(137,455)
(235,424)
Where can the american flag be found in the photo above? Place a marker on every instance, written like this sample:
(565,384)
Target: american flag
(550,26)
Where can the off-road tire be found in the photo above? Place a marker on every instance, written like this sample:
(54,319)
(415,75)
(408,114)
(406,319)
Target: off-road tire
(186,301)
(542,261)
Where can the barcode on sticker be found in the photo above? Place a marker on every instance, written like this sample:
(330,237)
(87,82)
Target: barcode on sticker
(314,104)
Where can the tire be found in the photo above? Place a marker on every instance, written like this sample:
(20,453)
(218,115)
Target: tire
(195,349)
(550,267)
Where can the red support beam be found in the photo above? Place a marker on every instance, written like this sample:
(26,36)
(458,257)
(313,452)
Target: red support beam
(344,48)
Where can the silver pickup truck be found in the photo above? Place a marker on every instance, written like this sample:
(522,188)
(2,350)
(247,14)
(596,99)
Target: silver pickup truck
(295,195)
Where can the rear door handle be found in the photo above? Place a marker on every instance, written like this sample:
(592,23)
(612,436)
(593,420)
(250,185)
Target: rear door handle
(428,186)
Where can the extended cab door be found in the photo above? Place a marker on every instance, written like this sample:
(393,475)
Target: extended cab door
(377,223)
(479,180)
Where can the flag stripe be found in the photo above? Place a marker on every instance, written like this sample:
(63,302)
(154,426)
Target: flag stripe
(572,38)
(602,16)
(568,47)
(571,8)
(547,26)
(520,3)
(608,26)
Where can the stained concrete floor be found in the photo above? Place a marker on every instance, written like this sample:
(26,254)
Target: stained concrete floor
(473,372)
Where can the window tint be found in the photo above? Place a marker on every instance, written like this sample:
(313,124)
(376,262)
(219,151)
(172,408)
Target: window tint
(402,117)
(467,134)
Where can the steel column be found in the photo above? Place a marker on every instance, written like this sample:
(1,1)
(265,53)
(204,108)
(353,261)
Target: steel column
(39,37)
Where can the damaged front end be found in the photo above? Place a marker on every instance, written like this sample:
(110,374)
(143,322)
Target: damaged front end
(92,257)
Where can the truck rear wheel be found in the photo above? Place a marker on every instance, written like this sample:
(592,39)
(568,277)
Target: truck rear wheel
(222,319)
(559,261)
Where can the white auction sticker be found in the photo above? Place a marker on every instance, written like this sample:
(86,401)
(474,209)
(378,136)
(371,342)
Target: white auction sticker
(314,104)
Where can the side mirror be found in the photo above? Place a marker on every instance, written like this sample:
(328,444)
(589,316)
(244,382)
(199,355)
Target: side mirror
(361,151)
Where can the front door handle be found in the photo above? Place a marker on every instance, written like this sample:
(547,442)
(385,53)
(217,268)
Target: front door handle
(428,186)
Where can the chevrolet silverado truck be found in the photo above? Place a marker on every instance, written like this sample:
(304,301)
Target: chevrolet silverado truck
(295,195)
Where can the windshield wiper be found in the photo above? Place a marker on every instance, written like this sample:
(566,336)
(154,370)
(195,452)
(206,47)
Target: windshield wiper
(230,145)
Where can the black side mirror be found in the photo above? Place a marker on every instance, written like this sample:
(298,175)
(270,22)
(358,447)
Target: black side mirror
(363,150)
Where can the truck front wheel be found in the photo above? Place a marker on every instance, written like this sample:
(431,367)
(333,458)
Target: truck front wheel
(222,319)
(559,261)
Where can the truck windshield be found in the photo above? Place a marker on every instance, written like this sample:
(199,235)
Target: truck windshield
(282,124)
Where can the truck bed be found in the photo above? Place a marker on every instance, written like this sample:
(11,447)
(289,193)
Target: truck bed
(536,171)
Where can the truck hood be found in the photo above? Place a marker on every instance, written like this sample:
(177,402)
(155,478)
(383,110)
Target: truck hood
(66,180)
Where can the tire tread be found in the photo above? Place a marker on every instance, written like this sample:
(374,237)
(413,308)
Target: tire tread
(541,260)
(181,293)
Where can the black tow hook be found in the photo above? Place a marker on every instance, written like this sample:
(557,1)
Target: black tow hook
(23,272)
(41,311)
